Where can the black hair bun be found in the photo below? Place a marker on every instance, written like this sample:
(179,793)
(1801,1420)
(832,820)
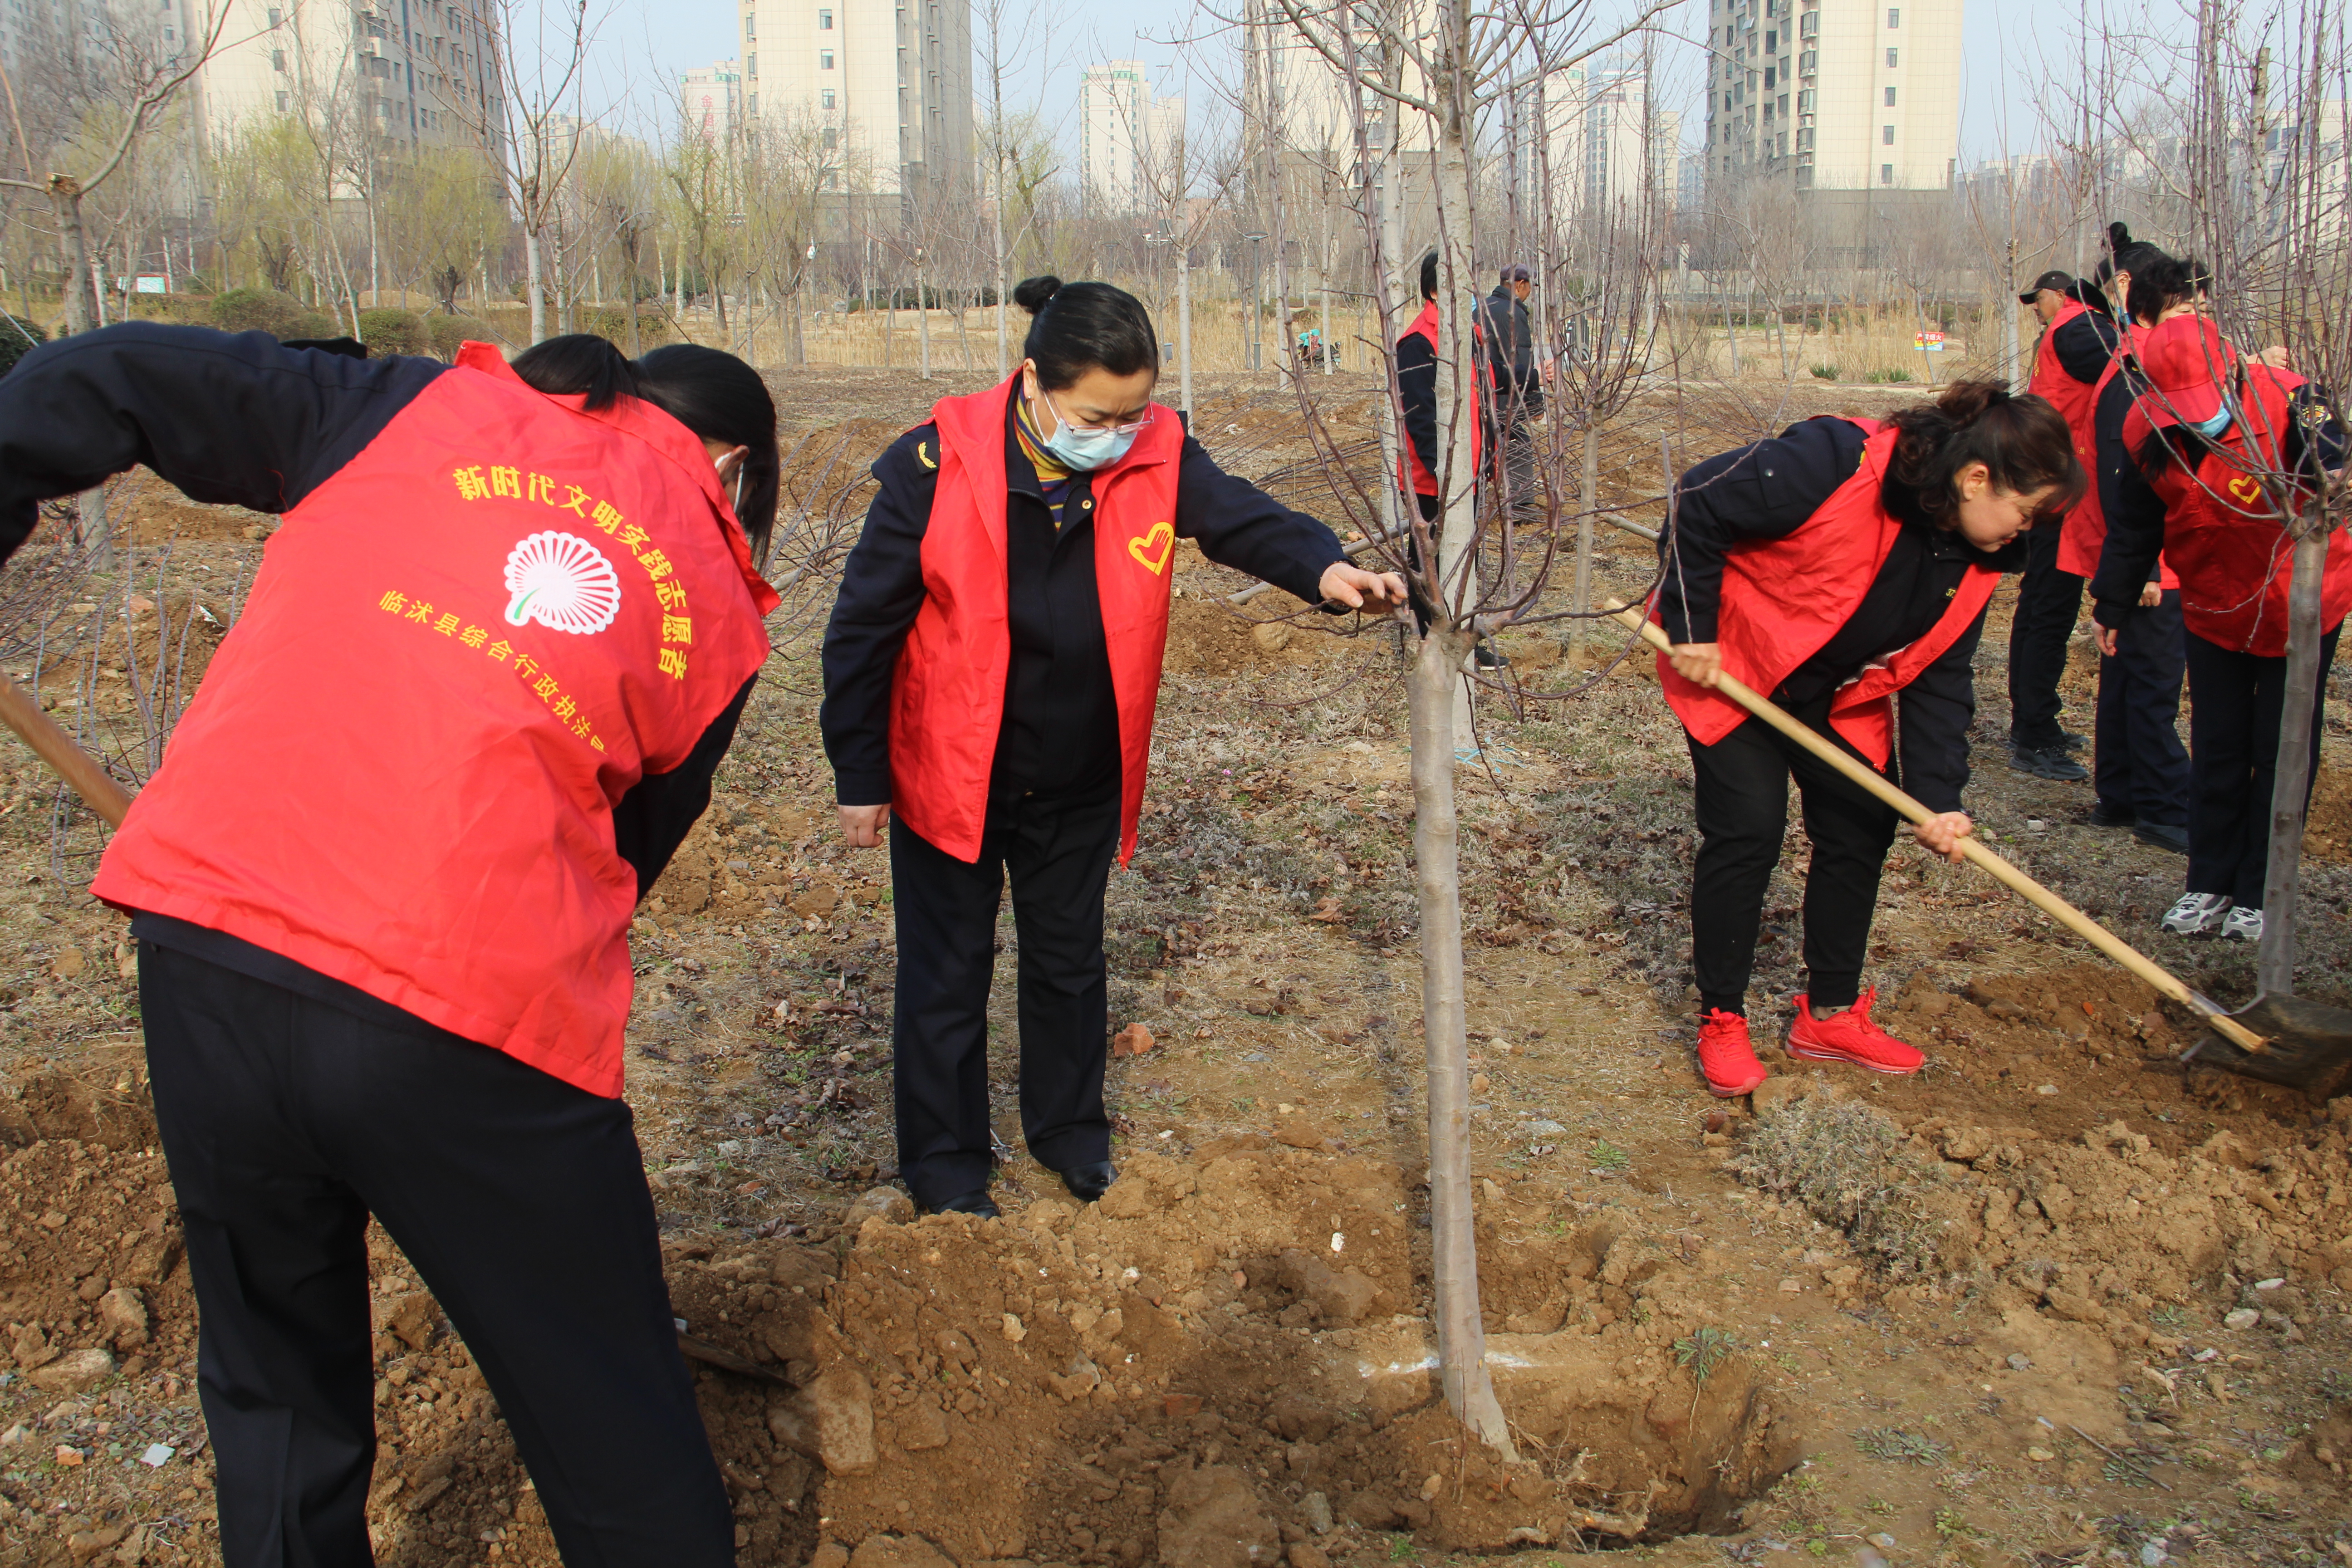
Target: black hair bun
(1032,293)
(2119,239)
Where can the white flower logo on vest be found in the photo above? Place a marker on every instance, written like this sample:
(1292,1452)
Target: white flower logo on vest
(563,583)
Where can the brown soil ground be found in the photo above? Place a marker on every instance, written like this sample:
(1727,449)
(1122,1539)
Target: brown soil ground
(2056,1300)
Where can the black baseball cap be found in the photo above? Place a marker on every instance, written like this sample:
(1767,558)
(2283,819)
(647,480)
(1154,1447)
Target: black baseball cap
(2056,277)
(1518,273)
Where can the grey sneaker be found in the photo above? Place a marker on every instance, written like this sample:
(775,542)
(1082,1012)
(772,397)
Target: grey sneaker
(2053,763)
(2197,913)
(2243,925)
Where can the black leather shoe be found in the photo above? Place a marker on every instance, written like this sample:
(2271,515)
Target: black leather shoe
(2053,763)
(978,1203)
(2111,816)
(1087,1182)
(2157,836)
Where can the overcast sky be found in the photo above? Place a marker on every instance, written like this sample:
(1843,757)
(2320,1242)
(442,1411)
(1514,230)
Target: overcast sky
(2002,38)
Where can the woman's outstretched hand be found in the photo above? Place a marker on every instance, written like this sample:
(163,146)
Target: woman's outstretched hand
(1700,663)
(1374,591)
(863,825)
(1942,834)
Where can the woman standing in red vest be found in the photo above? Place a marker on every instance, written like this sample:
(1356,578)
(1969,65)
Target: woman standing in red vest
(2210,434)
(381,884)
(1831,568)
(989,675)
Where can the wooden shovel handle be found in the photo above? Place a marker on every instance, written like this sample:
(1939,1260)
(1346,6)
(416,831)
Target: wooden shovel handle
(56,748)
(2025,886)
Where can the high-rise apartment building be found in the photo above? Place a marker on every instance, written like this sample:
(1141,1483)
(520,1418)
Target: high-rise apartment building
(710,101)
(891,80)
(415,72)
(1838,95)
(1610,149)
(1130,142)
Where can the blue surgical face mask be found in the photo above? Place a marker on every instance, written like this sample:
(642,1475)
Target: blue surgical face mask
(2210,429)
(1083,451)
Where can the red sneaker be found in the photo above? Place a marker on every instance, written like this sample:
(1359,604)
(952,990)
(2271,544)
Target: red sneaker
(1726,1057)
(1851,1036)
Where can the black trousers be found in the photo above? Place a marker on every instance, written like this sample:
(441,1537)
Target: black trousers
(1058,855)
(1742,787)
(1433,512)
(2138,762)
(2234,709)
(520,1200)
(2048,600)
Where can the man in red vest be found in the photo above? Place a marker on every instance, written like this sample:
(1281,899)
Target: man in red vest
(991,672)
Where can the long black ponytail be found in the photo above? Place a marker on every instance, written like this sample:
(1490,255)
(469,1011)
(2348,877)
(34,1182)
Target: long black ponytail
(708,390)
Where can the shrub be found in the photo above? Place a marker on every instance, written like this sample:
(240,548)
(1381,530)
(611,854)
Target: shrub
(443,334)
(18,337)
(1825,372)
(183,310)
(1886,377)
(262,311)
(613,323)
(395,333)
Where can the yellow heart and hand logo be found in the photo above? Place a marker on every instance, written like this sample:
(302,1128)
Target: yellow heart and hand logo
(2251,491)
(1161,538)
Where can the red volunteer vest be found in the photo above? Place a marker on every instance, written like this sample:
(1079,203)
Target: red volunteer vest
(2085,529)
(2226,540)
(1783,599)
(1410,470)
(947,698)
(461,650)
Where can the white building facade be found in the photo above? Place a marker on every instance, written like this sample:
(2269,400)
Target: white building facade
(415,72)
(1839,95)
(710,101)
(1130,141)
(1612,150)
(892,82)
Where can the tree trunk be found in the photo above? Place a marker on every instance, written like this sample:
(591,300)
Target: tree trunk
(65,197)
(1453,1254)
(1183,327)
(537,296)
(923,320)
(2275,963)
(1440,702)
(1455,586)
(1588,501)
(634,349)
(1004,364)
(1394,489)
(98,528)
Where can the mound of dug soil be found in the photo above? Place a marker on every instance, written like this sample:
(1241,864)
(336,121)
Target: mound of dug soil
(1224,1362)
(1221,1361)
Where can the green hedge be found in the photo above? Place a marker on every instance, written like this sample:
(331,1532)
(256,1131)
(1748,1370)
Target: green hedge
(391,332)
(18,337)
(444,334)
(266,311)
(613,323)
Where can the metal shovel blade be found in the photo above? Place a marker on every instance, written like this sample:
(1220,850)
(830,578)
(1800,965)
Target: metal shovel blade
(2308,1045)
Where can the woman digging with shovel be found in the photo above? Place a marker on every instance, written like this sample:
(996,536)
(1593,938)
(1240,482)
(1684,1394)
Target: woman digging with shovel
(381,885)
(1829,569)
